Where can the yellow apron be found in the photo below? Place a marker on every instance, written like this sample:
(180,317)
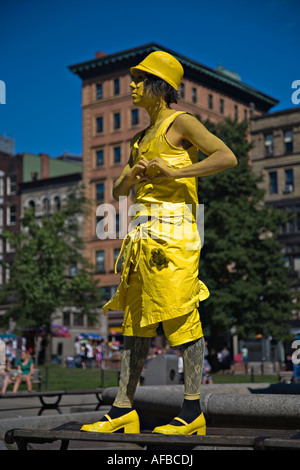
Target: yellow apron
(163,244)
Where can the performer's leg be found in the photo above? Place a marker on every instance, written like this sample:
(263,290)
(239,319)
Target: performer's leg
(135,353)
(193,357)
(121,415)
(187,332)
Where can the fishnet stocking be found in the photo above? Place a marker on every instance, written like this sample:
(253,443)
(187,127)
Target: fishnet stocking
(193,357)
(133,359)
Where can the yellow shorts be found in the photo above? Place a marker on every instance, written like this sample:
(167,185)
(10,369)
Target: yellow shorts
(179,330)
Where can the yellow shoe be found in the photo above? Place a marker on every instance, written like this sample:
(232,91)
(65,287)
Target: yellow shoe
(197,426)
(130,422)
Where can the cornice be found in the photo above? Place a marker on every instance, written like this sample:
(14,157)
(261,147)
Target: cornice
(195,70)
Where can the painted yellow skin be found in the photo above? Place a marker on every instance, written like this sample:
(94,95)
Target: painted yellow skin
(185,132)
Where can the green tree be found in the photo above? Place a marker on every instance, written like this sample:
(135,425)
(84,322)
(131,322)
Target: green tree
(40,280)
(241,260)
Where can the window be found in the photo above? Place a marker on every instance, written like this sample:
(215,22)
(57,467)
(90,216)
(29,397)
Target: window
(289,176)
(289,181)
(298,218)
(194,95)
(210,102)
(116,254)
(221,106)
(1,184)
(78,319)
(46,206)
(290,226)
(99,91)
(288,141)
(117,223)
(99,124)
(100,157)
(67,318)
(11,215)
(236,111)
(245,114)
(273,182)
(107,292)
(116,86)
(11,184)
(117,121)
(31,205)
(117,154)
(73,271)
(100,261)
(297,264)
(182,90)
(134,117)
(100,192)
(57,203)
(269,145)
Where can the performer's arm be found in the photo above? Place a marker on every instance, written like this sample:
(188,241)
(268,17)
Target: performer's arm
(129,177)
(219,156)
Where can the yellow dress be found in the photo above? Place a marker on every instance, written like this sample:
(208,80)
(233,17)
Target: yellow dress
(160,254)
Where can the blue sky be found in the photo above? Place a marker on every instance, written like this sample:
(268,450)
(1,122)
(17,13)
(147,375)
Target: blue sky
(39,39)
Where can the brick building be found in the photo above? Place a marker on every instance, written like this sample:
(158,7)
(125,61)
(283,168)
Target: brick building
(10,177)
(109,121)
(276,155)
(40,182)
(15,171)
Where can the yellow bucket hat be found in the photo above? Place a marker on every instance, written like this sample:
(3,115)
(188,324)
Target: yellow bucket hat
(163,65)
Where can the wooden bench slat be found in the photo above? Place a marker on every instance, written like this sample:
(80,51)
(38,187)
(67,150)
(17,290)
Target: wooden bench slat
(231,438)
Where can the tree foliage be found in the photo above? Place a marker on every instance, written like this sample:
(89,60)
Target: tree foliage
(241,260)
(40,282)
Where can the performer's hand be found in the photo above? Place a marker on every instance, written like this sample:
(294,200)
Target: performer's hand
(137,172)
(159,168)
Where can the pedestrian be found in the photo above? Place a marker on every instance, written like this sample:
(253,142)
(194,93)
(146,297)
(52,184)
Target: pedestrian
(83,353)
(5,372)
(245,354)
(159,275)
(225,360)
(206,372)
(89,354)
(25,369)
(180,367)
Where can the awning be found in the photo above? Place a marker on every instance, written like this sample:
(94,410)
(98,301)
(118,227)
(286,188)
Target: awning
(89,336)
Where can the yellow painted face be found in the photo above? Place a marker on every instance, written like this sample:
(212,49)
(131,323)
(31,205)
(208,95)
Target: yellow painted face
(140,97)
(137,87)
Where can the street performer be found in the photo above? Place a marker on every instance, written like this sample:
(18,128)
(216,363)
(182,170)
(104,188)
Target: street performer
(159,275)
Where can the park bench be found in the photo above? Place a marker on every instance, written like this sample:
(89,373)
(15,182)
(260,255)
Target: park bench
(216,438)
(56,394)
(285,376)
(36,378)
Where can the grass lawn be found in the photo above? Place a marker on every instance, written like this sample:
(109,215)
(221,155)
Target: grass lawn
(61,378)
(243,378)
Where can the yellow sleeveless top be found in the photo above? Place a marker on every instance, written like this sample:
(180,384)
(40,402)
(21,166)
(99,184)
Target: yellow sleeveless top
(163,243)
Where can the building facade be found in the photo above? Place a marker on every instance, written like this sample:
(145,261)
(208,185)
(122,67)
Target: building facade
(41,183)
(276,156)
(10,208)
(109,122)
